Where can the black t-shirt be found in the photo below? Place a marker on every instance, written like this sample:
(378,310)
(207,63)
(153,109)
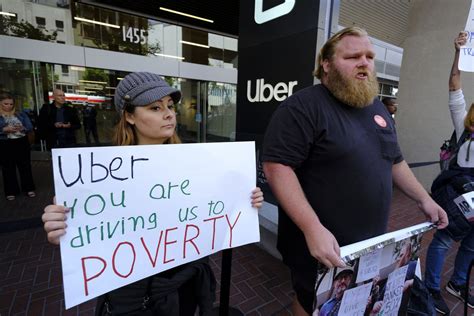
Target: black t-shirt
(343,158)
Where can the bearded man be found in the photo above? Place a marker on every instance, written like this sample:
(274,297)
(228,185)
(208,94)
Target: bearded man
(339,285)
(330,155)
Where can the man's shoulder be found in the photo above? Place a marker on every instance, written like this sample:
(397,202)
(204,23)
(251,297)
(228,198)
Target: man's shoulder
(45,108)
(307,95)
(310,91)
(377,102)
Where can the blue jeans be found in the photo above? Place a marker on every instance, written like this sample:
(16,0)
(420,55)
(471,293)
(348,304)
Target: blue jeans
(436,255)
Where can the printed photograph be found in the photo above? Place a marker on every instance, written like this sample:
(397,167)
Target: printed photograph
(377,283)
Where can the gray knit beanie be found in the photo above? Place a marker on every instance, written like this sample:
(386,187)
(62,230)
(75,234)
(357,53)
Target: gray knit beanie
(142,88)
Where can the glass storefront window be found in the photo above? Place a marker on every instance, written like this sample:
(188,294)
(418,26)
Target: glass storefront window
(388,88)
(221,111)
(135,35)
(206,113)
(101,28)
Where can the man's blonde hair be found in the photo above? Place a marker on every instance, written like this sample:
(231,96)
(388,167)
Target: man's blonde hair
(329,48)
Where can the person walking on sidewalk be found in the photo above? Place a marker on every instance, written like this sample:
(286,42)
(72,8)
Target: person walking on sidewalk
(330,155)
(442,240)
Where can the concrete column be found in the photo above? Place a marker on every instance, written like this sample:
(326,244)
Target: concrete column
(423,119)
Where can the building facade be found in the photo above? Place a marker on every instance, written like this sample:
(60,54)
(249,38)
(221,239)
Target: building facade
(86,49)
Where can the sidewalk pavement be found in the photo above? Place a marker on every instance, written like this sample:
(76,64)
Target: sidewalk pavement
(30,269)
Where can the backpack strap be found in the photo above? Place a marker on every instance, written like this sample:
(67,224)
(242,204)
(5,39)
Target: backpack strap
(459,143)
(461,140)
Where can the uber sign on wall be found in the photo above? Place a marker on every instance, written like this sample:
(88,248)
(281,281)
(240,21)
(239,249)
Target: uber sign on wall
(277,51)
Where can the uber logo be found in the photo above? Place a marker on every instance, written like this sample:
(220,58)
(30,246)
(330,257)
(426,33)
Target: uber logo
(261,16)
(280,92)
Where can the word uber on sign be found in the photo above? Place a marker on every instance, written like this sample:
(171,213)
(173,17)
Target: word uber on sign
(138,210)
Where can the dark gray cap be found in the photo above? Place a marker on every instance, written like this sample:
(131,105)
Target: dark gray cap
(343,273)
(143,88)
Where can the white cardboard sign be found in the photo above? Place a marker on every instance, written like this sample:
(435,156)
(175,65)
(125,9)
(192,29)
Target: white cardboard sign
(394,291)
(354,300)
(369,266)
(140,210)
(466,56)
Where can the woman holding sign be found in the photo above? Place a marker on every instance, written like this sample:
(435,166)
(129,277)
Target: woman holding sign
(146,104)
(457,180)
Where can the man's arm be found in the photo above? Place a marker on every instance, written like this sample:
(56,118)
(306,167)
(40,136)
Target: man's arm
(285,185)
(405,180)
(455,75)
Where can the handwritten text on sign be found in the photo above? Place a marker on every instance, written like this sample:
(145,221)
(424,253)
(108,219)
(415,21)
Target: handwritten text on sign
(140,210)
(466,56)
(369,266)
(394,291)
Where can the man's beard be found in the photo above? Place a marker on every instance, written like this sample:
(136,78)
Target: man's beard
(354,92)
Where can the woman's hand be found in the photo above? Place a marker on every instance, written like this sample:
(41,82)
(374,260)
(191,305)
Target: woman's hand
(10,129)
(461,40)
(257,198)
(54,218)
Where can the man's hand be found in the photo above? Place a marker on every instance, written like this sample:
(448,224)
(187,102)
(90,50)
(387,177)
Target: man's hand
(461,40)
(324,247)
(434,212)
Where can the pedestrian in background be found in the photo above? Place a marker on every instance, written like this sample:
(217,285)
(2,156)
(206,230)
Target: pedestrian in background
(58,122)
(89,120)
(391,105)
(15,149)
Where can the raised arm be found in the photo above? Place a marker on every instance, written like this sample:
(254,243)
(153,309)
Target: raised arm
(455,75)
(285,185)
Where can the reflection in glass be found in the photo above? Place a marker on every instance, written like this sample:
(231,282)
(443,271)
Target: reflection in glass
(189,115)
(221,112)
(206,112)
(101,28)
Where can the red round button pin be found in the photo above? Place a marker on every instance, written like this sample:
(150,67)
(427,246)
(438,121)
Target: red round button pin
(380,121)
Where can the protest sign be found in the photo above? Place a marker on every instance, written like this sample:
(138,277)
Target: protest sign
(140,210)
(369,266)
(377,279)
(466,56)
(354,300)
(394,291)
